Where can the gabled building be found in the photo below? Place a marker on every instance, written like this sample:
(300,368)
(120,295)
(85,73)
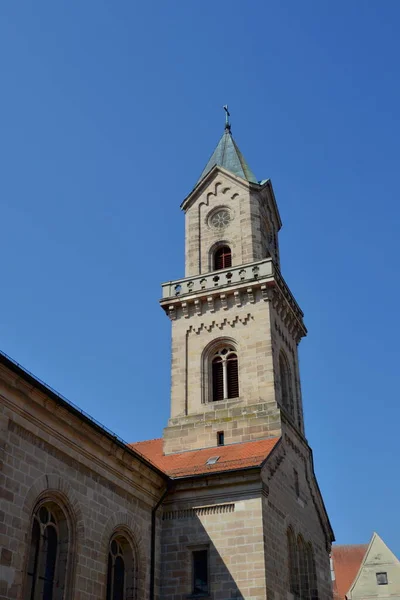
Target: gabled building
(360,572)
(226,504)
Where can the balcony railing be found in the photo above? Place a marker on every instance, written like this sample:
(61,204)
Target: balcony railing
(217,279)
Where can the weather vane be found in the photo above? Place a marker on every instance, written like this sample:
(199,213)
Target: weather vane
(227,115)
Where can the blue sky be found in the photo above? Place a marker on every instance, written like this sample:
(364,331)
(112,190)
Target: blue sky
(109,113)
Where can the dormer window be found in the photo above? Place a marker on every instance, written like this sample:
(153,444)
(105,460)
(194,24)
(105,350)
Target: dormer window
(222,258)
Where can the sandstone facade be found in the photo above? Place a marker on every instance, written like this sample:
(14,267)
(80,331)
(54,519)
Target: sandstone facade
(230,507)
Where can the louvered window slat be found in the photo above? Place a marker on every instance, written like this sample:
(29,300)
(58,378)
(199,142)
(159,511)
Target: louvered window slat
(218,379)
(233,376)
(222,258)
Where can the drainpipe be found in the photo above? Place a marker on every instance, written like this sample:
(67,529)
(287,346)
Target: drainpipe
(153,540)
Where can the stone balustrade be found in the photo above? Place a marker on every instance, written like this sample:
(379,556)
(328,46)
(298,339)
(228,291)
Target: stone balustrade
(207,282)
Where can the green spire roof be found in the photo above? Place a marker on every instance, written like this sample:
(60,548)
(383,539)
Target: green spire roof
(228,156)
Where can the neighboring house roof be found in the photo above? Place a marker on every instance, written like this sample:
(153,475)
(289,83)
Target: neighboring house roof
(346,564)
(228,155)
(194,462)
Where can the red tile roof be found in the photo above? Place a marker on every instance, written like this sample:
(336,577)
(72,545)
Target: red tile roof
(193,462)
(346,563)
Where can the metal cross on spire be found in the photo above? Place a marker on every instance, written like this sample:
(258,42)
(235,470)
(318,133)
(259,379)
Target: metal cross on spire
(227,115)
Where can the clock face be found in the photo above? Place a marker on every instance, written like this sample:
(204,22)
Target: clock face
(220,219)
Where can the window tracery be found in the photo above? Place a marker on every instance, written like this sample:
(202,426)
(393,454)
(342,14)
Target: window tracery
(225,374)
(120,569)
(302,570)
(48,554)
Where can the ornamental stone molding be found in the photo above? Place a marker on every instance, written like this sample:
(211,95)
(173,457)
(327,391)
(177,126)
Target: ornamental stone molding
(221,325)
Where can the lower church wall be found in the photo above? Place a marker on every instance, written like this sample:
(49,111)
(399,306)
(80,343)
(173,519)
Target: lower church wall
(95,495)
(230,529)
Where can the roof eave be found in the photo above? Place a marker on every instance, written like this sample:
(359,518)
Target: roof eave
(268,184)
(215,473)
(29,378)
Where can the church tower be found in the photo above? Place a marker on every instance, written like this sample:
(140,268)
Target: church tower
(235,324)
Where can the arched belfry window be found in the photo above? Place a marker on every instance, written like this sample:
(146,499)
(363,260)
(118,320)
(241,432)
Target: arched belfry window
(222,258)
(48,554)
(120,569)
(286,385)
(225,374)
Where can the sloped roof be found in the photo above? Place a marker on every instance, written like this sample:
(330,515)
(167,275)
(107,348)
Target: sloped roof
(346,564)
(194,462)
(228,155)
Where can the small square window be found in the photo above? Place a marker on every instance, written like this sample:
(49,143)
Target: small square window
(381,579)
(200,573)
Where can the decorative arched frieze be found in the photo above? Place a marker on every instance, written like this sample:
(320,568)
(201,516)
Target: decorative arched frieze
(221,325)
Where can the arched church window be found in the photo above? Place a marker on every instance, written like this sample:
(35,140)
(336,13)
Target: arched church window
(222,258)
(312,573)
(292,562)
(120,569)
(48,554)
(225,374)
(286,387)
(303,569)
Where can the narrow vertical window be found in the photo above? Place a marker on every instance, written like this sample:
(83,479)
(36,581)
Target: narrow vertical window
(225,375)
(120,569)
(292,563)
(218,379)
(296,483)
(33,560)
(303,569)
(220,438)
(286,388)
(222,258)
(200,586)
(312,571)
(48,554)
(233,376)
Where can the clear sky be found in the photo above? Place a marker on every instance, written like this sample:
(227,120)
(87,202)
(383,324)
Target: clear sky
(109,112)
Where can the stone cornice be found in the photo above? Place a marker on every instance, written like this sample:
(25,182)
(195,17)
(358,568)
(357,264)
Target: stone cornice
(76,436)
(237,286)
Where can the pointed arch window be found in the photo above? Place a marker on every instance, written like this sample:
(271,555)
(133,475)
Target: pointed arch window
(312,573)
(304,573)
(286,386)
(48,554)
(222,258)
(293,566)
(120,569)
(225,374)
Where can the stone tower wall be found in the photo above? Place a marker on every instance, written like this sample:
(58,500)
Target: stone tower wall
(195,419)
(251,215)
